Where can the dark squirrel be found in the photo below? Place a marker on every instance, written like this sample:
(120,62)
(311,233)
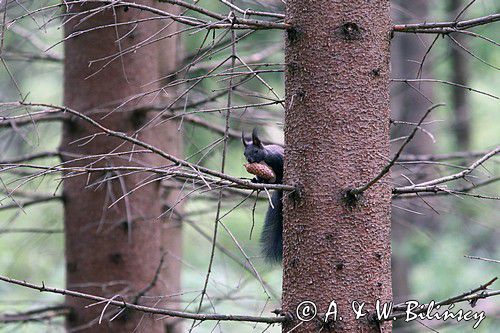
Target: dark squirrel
(271,238)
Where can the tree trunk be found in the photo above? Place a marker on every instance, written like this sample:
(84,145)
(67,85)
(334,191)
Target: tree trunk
(114,252)
(409,105)
(170,58)
(459,73)
(337,138)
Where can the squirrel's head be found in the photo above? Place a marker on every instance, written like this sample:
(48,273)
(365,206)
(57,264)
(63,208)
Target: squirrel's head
(254,150)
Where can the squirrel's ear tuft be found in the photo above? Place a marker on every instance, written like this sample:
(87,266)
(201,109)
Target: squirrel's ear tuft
(245,143)
(255,138)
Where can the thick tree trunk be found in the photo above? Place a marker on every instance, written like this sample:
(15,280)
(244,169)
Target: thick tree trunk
(337,138)
(114,251)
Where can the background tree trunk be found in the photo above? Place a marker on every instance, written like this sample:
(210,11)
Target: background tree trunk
(337,138)
(114,251)
(459,73)
(407,51)
(170,59)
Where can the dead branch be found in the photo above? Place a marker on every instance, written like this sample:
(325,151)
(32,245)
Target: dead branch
(433,185)
(122,304)
(445,27)
(177,161)
(468,296)
(42,314)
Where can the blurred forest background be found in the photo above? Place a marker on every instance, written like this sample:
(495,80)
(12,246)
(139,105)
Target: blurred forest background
(429,244)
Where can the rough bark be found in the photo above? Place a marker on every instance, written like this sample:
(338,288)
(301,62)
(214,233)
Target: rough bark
(113,251)
(337,138)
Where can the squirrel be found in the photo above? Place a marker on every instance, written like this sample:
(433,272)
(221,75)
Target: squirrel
(271,238)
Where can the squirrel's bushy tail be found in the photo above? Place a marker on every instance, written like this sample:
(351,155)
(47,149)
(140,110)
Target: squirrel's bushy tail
(271,238)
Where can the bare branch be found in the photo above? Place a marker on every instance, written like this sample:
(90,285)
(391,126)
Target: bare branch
(177,161)
(432,185)
(146,309)
(445,27)
(30,231)
(468,296)
(441,157)
(447,83)
(483,259)
(440,191)
(41,314)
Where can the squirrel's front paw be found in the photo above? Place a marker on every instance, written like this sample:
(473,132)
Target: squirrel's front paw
(259,180)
